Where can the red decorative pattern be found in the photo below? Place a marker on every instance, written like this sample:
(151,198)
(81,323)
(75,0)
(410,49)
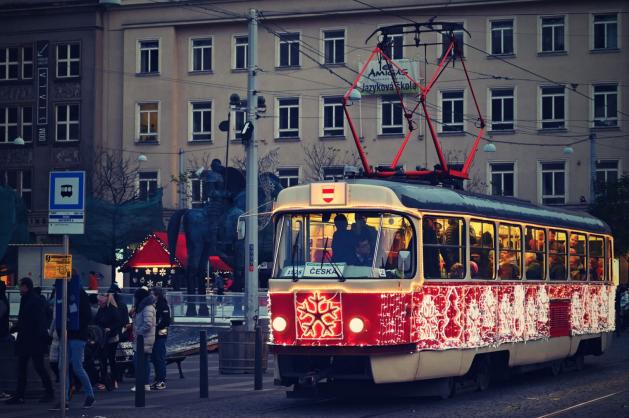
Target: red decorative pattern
(318,315)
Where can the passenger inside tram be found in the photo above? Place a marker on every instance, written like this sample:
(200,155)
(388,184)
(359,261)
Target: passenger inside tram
(444,253)
(557,270)
(534,270)
(342,241)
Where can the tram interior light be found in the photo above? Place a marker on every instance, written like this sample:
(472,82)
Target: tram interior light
(279,324)
(356,325)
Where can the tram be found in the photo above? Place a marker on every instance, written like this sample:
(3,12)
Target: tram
(385,281)
(396,276)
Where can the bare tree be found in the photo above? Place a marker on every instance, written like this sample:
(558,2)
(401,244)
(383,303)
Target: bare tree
(268,162)
(195,163)
(319,155)
(114,176)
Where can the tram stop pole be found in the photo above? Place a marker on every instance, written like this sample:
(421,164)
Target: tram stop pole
(140,396)
(203,366)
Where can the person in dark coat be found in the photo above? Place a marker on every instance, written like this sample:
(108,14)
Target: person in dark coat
(4,313)
(108,320)
(32,342)
(343,241)
(162,322)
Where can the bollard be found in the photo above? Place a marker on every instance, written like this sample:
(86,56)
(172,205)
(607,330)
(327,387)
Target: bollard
(140,398)
(257,380)
(203,383)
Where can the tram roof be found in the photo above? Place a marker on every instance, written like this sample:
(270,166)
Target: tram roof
(440,199)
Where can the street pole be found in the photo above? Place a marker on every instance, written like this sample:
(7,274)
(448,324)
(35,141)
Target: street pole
(229,127)
(182,179)
(63,344)
(592,168)
(251,225)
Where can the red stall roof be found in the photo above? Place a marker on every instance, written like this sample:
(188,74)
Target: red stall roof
(154,253)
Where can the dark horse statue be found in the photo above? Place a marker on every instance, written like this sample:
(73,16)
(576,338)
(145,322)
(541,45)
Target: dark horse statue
(211,230)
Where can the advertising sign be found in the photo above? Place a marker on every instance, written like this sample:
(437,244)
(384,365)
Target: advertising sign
(376,79)
(57,266)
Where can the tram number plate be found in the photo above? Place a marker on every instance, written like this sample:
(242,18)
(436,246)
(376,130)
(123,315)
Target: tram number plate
(323,270)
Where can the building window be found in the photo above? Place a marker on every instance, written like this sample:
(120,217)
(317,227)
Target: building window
(288,109)
(289,176)
(553,34)
(198,192)
(510,255)
(605,105)
(241,51)
(9,63)
(8,124)
(459,42)
(502,37)
(20,181)
(606,172)
(201,54)
(394,48)
(147,184)
(67,122)
(239,118)
(502,179)
(289,50)
(200,121)
(149,57)
(452,111)
(391,116)
(26,131)
(334,46)
(553,107)
(333,116)
(502,109)
(606,31)
(148,122)
(27,62)
(333,172)
(68,60)
(553,183)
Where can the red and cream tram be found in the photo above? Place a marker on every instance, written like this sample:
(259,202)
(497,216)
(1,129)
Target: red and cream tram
(383,281)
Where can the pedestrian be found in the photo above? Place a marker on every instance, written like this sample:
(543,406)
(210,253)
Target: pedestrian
(77,339)
(4,314)
(92,281)
(144,325)
(108,319)
(162,322)
(123,317)
(32,342)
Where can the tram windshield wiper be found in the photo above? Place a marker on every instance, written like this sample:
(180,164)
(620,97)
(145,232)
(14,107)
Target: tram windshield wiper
(293,252)
(325,254)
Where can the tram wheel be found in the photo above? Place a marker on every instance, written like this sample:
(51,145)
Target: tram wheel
(556,367)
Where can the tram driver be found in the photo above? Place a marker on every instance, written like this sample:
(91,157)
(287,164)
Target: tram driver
(363,255)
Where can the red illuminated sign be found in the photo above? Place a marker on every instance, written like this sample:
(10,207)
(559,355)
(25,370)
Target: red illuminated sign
(318,315)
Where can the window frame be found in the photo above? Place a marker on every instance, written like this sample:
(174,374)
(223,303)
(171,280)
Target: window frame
(289,178)
(519,251)
(541,120)
(605,94)
(279,42)
(540,172)
(140,181)
(605,276)
(7,125)
(490,39)
(544,265)
(383,100)
(441,113)
(592,26)
(68,122)
(606,170)
(191,53)
(323,129)
(139,50)
(235,46)
(278,111)
(20,189)
(540,31)
(191,112)
(565,253)
(24,62)
(324,41)
(463,245)
(8,63)
(514,172)
(68,61)
(440,38)
(490,108)
(584,254)
(481,247)
(397,35)
(138,111)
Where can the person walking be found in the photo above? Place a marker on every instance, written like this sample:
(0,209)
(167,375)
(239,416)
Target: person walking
(31,343)
(144,322)
(162,322)
(108,319)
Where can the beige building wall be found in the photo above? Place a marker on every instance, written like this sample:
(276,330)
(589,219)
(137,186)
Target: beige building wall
(175,85)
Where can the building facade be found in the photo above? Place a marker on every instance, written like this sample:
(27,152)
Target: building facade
(49,89)
(548,77)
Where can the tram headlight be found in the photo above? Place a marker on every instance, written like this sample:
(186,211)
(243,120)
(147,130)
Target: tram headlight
(279,324)
(356,325)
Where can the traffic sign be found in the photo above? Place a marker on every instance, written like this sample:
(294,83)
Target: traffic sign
(66,205)
(57,266)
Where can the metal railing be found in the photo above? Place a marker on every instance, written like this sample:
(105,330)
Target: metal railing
(214,309)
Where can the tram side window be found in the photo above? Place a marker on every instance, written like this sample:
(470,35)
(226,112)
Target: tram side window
(597,256)
(444,247)
(482,252)
(557,241)
(509,243)
(610,260)
(535,255)
(577,261)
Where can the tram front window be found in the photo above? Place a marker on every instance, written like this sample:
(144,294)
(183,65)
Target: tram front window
(344,245)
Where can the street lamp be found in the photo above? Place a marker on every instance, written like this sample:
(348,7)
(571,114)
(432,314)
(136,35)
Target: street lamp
(18,141)
(568,150)
(489,147)
(142,158)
